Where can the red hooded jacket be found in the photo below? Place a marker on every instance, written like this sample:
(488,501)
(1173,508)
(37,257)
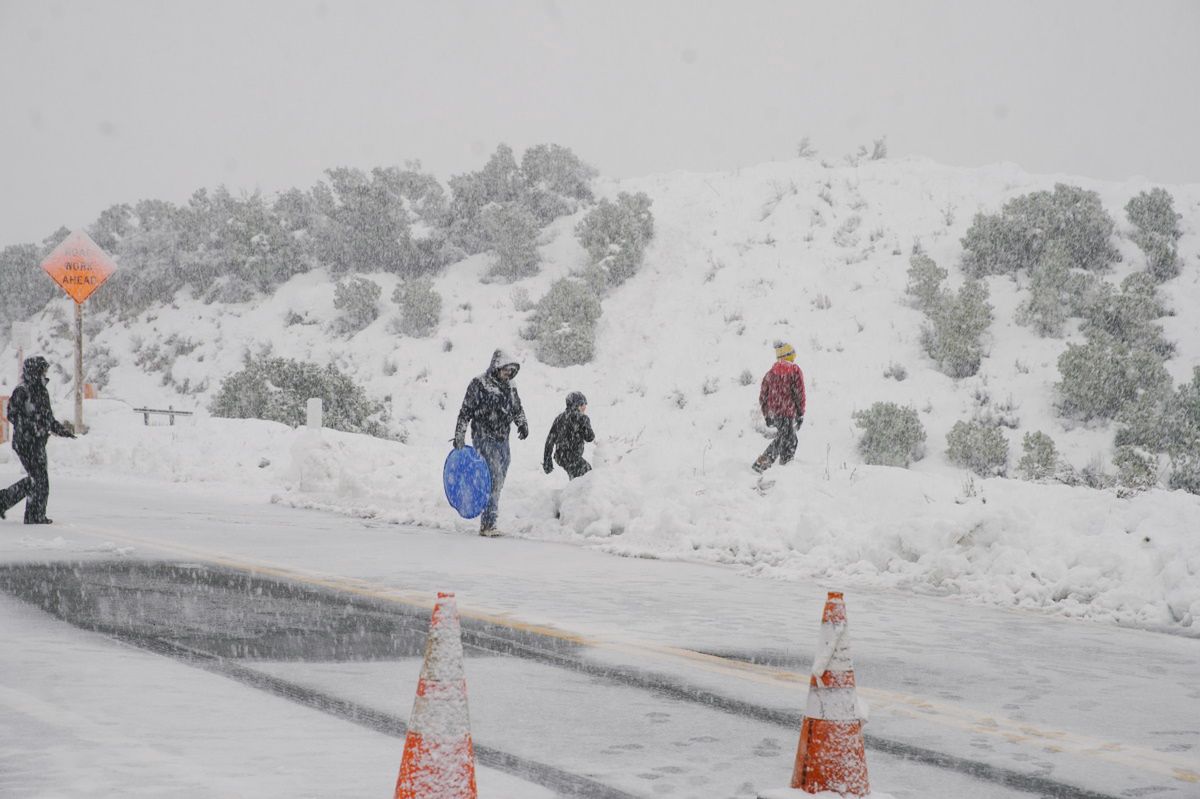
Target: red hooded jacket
(782,392)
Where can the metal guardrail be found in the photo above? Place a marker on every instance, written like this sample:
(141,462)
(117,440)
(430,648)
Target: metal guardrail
(170,411)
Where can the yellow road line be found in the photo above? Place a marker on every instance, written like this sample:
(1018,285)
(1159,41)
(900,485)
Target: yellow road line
(893,702)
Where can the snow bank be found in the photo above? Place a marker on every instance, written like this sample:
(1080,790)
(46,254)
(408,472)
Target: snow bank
(1072,551)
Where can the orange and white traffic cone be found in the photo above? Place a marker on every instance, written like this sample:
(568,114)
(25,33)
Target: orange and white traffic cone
(439,760)
(831,756)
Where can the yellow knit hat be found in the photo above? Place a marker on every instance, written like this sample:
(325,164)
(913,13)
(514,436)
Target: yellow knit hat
(785,352)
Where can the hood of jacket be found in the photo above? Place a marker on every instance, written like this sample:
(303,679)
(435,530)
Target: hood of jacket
(576,400)
(502,358)
(34,369)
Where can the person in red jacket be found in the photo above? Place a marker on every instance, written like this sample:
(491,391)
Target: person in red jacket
(781,399)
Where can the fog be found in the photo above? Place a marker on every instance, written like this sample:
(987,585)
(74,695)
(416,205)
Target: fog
(116,102)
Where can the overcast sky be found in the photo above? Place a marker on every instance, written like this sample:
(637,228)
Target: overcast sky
(113,102)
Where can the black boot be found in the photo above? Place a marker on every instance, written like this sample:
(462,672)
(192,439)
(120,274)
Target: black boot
(41,521)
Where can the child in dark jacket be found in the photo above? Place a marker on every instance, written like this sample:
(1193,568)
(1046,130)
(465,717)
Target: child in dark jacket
(567,436)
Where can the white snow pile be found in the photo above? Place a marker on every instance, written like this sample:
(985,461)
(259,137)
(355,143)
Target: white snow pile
(738,261)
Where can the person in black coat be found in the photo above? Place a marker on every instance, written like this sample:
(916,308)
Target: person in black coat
(567,436)
(491,406)
(33,423)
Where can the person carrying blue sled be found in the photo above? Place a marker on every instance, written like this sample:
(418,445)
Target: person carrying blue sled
(491,406)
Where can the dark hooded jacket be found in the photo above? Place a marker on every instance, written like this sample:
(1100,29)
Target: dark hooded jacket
(29,408)
(570,431)
(492,405)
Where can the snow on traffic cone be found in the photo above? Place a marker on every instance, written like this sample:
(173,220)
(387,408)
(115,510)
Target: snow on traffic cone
(830,756)
(439,760)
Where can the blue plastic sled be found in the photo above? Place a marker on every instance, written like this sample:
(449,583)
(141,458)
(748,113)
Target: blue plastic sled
(467,480)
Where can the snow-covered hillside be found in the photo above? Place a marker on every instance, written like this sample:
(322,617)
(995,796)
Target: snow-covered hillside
(738,261)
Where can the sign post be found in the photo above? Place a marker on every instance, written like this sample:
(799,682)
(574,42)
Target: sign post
(79,266)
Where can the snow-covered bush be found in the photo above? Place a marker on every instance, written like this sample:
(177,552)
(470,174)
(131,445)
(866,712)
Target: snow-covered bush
(157,357)
(616,234)
(847,233)
(1163,421)
(1045,309)
(1129,315)
(1016,237)
(745,378)
(891,435)
(1094,475)
(278,390)
(364,225)
(896,372)
(1082,290)
(978,446)
(26,289)
(1103,376)
(1149,420)
(99,362)
(1154,212)
(925,279)
(230,290)
(513,235)
(1137,470)
(1162,256)
(1185,472)
(520,299)
(420,307)
(1040,458)
(564,323)
(556,169)
(1153,215)
(1183,424)
(499,182)
(358,301)
(958,322)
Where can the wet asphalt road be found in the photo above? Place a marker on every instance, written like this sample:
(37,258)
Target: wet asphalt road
(227,621)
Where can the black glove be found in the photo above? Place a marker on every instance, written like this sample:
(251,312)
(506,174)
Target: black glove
(459,442)
(799,421)
(548,467)
(769,421)
(522,431)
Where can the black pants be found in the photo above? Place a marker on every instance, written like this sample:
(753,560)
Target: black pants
(783,446)
(35,488)
(574,467)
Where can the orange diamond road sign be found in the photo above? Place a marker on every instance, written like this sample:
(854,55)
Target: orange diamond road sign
(79,266)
